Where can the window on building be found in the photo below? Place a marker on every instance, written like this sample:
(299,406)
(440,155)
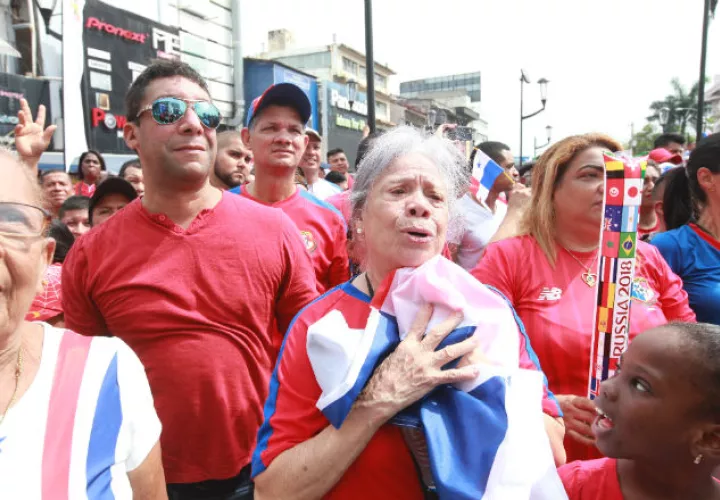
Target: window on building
(381,109)
(362,74)
(350,66)
(380,81)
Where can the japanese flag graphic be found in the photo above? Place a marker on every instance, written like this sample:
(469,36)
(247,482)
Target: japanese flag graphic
(633,192)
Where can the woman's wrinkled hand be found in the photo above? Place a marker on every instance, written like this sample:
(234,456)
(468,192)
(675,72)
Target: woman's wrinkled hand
(415,367)
(578,414)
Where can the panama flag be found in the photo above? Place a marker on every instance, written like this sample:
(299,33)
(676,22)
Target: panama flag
(483,439)
(484,174)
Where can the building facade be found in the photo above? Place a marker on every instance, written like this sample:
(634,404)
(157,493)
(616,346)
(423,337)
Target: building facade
(335,65)
(199,32)
(457,96)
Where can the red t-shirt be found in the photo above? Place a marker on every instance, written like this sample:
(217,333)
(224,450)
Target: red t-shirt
(83,189)
(591,480)
(341,201)
(351,181)
(205,309)
(385,468)
(556,307)
(324,232)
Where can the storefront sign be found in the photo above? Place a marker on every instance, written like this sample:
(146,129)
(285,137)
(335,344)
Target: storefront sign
(348,122)
(116,46)
(12,89)
(342,102)
(95,23)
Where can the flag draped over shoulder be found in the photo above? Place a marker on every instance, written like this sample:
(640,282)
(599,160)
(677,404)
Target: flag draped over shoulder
(486,438)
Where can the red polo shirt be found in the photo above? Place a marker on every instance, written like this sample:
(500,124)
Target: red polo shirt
(205,309)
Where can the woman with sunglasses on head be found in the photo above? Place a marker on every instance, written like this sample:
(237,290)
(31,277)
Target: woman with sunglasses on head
(90,172)
(658,421)
(555,297)
(691,245)
(76,415)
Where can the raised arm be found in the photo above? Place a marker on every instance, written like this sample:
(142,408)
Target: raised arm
(31,138)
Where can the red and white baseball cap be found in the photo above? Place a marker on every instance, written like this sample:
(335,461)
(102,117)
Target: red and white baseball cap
(282,94)
(662,155)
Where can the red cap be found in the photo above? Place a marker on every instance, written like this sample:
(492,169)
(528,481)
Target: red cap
(47,304)
(662,155)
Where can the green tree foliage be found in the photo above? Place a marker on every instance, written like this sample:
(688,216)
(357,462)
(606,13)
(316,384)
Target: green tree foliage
(682,106)
(642,142)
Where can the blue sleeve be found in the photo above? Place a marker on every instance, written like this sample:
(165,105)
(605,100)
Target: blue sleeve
(669,248)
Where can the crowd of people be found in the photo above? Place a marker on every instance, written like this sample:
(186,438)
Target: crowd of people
(178,330)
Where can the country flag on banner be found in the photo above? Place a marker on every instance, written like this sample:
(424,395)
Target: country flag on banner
(485,439)
(613,218)
(630,219)
(484,174)
(611,244)
(615,192)
(627,245)
(633,192)
(614,169)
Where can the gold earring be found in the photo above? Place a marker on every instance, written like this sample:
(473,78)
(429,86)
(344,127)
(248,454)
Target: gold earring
(698,459)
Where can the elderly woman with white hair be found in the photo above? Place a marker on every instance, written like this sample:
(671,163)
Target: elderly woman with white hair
(359,438)
(76,414)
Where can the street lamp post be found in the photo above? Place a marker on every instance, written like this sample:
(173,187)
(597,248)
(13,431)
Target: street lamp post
(352,91)
(663,117)
(370,66)
(431,115)
(543,82)
(548,129)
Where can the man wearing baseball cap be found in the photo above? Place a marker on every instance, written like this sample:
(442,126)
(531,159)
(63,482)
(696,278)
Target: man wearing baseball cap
(111,195)
(310,165)
(276,135)
(664,159)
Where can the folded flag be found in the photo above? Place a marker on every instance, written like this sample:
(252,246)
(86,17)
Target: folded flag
(484,174)
(616,266)
(484,439)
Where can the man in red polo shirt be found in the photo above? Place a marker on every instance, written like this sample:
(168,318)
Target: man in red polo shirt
(276,136)
(202,284)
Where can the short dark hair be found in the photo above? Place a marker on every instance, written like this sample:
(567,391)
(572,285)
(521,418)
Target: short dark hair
(665,139)
(76,202)
(493,149)
(364,146)
(335,177)
(45,173)
(703,343)
(135,163)
(683,196)
(64,239)
(334,152)
(159,68)
(100,158)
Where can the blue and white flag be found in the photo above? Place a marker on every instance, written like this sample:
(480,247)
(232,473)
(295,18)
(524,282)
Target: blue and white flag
(485,439)
(484,174)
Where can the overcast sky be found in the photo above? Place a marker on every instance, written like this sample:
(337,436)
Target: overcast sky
(606,60)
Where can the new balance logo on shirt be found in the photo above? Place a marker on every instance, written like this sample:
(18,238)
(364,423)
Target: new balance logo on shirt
(553,293)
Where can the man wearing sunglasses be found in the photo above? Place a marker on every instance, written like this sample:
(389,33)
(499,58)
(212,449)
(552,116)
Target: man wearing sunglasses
(202,284)
(275,133)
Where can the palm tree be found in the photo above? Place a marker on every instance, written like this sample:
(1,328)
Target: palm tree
(682,106)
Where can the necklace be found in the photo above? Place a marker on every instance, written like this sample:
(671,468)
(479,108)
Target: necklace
(589,278)
(18,373)
(369,285)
